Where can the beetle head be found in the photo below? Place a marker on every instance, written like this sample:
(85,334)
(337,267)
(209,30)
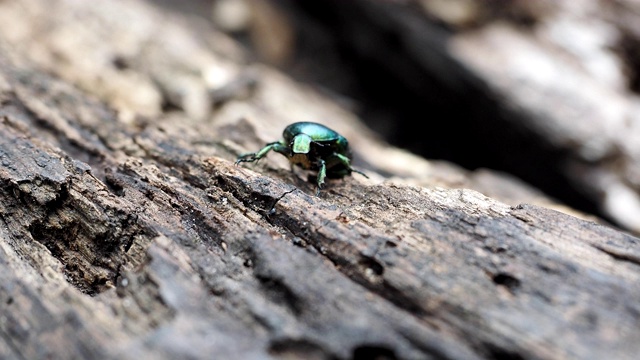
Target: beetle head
(301,144)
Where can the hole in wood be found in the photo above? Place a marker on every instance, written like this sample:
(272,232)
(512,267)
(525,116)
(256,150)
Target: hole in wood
(368,352)
(506,280)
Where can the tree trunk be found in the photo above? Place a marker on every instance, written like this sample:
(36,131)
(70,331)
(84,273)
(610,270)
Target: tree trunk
(128,232)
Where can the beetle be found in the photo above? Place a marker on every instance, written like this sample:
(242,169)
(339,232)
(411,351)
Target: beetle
(311,146)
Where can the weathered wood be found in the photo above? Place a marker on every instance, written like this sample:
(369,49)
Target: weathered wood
(128,234)
(546,90)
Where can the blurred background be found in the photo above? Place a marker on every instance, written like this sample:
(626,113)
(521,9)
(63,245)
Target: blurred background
(544,90)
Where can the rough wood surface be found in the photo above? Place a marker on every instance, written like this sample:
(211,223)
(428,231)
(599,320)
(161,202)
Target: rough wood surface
(547,90)
(127,231)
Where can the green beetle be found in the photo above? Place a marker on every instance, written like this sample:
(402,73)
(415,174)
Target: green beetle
(311,146)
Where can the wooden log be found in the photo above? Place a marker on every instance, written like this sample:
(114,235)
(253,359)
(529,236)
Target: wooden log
(128,232)
(545,90)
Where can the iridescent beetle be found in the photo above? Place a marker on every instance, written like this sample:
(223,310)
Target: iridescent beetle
(313,147)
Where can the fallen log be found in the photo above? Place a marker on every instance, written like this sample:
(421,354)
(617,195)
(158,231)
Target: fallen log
(132,234)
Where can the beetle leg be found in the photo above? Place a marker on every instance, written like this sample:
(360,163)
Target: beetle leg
(359,172)
(322,173)
(347,163)
(344,160)
(281,148)
(255,156)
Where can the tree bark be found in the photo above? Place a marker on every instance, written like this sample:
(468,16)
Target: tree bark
(128,232)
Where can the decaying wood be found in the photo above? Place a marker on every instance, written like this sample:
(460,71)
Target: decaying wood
(128,232)
(547,90)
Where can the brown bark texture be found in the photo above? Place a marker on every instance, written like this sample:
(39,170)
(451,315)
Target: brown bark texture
(128,232)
